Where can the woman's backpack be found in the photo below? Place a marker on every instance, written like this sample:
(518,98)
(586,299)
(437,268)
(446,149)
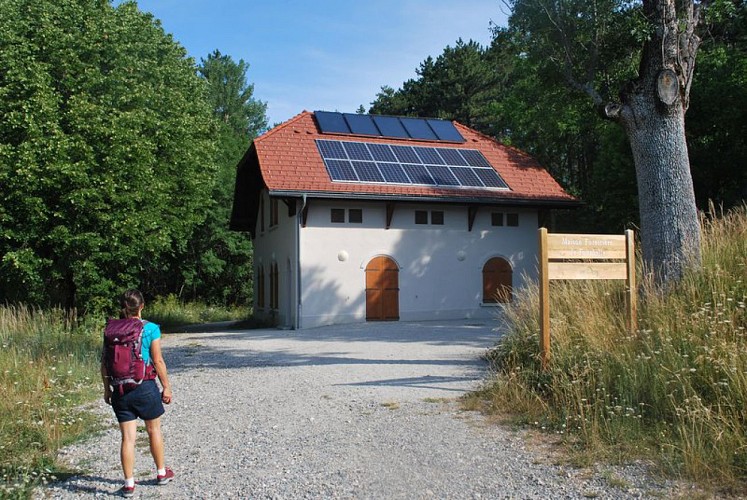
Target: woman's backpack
(123,358)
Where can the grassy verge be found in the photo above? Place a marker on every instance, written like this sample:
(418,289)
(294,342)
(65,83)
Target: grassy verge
(48,367)
(170,311)
(676,391)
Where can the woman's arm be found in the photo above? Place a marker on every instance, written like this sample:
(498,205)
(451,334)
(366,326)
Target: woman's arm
(160,365)
(105,380)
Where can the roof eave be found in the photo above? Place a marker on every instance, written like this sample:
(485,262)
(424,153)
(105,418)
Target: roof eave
(526,202)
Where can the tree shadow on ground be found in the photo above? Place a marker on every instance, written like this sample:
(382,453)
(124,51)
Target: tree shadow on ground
(426,382)
(185,358)
(472,333)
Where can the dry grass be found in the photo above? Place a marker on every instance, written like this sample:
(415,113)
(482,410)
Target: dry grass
(48,366)
(675,391)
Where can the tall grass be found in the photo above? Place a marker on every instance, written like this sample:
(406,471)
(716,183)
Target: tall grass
(170,311)
(48,366)
(675,391)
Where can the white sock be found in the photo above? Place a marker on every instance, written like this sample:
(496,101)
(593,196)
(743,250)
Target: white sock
(130,482)
(161,472)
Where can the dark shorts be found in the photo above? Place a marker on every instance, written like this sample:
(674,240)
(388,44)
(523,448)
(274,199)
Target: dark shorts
(143,402)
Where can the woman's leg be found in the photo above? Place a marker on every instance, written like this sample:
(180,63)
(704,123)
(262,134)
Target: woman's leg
(127,450)
(156,441)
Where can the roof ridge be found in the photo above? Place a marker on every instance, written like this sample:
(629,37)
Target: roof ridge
(282,125)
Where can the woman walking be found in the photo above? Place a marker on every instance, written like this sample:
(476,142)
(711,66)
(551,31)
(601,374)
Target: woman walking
(131,401)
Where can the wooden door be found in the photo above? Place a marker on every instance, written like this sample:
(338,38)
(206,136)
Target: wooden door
(382,290)
(497,281)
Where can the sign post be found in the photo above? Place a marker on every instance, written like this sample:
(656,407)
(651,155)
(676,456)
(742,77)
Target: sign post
(584,257)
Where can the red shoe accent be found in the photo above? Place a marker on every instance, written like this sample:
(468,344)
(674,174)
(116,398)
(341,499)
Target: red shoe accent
(166,477)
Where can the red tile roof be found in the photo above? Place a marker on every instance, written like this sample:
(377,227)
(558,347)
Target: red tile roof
(290,162)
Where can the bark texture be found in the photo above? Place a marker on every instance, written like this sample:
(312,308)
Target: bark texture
(670,228)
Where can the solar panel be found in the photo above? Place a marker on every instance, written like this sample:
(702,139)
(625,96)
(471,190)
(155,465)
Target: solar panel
(357,151)
(394,173)
(399,127)
(418,128)
(390,126)
(382,152)
(361,124)
(475,158)
(442,175)
(331,122)
(445,130)
(490,177)
(429,156)
(340,170)
(351,161)
(452,157)
(367,171)
(466,176)
(405,154)
(331,149)
(419,174)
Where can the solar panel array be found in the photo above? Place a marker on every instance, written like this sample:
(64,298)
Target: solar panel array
(399,164)
(398,127)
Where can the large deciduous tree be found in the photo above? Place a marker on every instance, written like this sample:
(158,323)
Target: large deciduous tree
(106,149)
(216,265)
(586,40)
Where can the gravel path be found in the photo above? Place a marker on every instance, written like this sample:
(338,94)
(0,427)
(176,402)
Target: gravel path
(361,411)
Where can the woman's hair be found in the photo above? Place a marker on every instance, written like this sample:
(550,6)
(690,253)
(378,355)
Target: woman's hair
(131,301)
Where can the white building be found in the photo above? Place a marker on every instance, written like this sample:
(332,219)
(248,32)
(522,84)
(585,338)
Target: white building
(359,218)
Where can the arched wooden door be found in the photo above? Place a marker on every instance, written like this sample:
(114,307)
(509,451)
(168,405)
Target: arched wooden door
(497,281)
(382,290)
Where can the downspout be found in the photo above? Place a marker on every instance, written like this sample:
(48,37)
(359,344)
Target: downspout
(299,307)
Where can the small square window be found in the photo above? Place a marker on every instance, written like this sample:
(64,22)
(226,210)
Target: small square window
(338,215)
(512,220)
(355,215)
(437,217)
(421,217)
(496,218)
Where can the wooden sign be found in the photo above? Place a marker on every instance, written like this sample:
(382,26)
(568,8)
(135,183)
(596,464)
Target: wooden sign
(584,257)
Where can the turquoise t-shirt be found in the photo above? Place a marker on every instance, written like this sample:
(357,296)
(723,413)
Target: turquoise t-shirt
(151,332)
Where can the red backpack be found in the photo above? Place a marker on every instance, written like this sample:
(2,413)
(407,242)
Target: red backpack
(123,358)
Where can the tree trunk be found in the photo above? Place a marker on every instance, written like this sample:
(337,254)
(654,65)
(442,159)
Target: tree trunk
(670,229)
(652,112)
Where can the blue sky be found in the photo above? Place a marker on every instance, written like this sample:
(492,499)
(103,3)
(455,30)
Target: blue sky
(327,54)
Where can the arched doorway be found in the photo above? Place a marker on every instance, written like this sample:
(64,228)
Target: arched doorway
(382,290)
(497,281)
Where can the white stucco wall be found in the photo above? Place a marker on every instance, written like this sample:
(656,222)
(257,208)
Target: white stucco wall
(277,245)
(440,266)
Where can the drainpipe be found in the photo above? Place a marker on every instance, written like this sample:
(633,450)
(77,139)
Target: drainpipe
(299,308)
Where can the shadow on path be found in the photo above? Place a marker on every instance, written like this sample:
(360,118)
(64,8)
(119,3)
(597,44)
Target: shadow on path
(478,333)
